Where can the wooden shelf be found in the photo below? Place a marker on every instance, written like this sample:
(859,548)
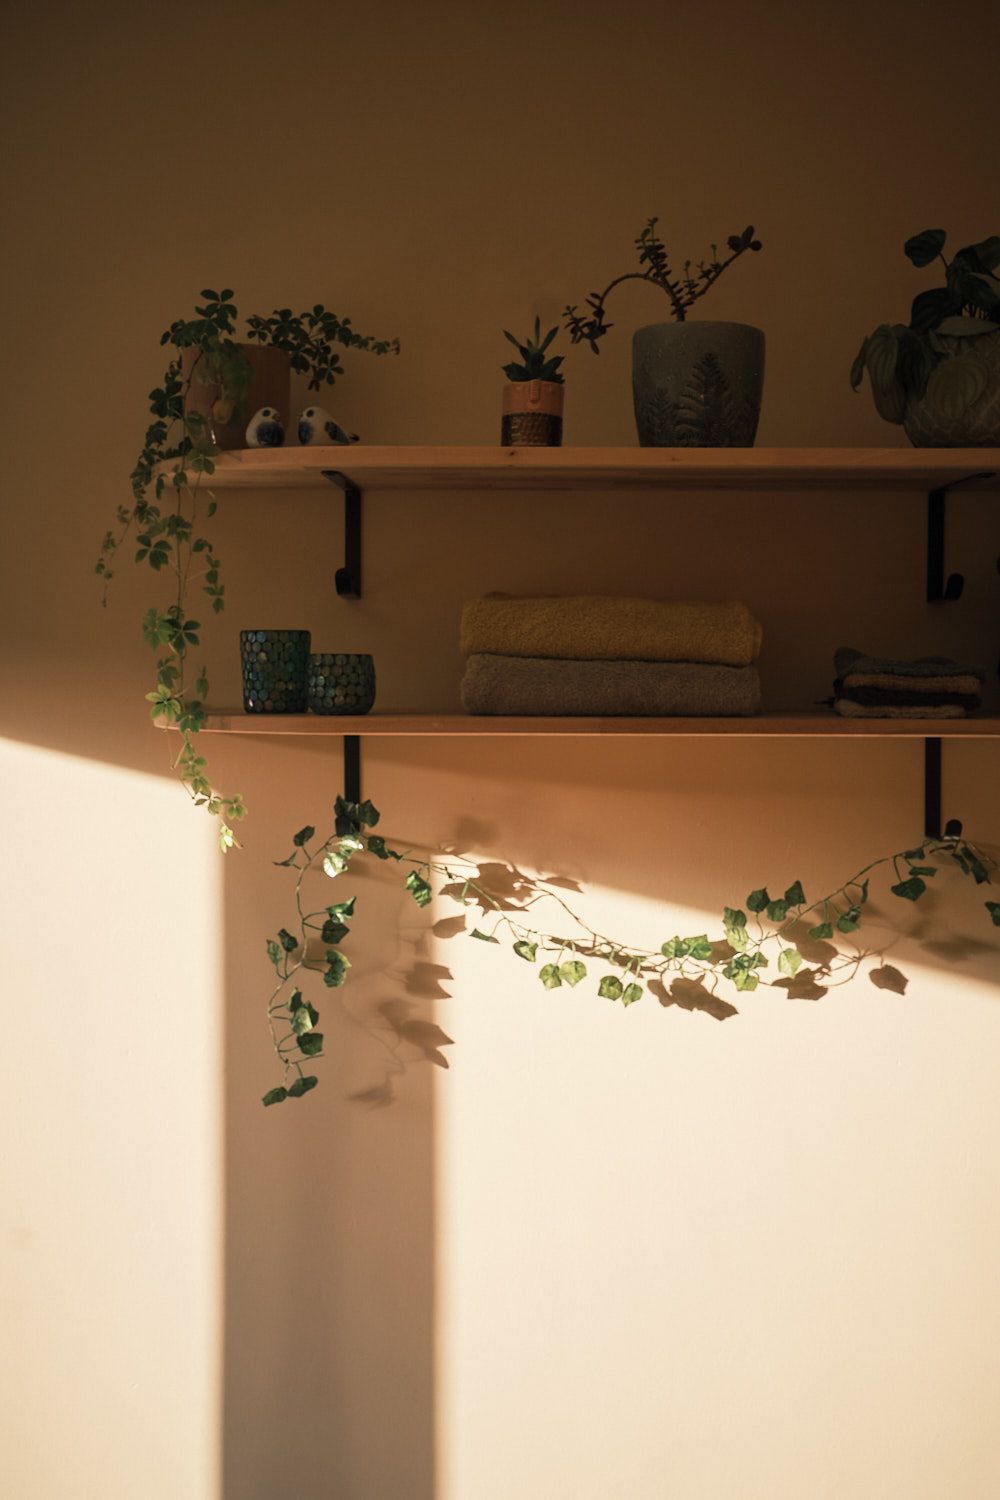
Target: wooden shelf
(828,725)
(421,468)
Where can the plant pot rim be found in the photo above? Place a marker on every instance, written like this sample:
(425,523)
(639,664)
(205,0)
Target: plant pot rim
(697,323)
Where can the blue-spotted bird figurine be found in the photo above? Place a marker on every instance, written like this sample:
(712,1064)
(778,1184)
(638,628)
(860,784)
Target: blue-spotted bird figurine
(264,430)
(317,429)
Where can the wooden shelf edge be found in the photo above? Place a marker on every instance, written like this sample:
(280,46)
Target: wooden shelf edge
(428,467)
(776,725)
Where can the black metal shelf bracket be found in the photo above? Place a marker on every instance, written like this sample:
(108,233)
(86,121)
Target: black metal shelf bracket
(932,795)
(939,588)
(348,578)
(352,768)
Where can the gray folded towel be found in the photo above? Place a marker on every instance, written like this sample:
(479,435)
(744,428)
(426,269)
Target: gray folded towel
(542,685)
(847,660)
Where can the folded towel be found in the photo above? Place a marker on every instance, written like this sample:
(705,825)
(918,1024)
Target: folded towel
(542,685)
(847,660)
(871,697)
(891,682)
(589,629)
(851,710)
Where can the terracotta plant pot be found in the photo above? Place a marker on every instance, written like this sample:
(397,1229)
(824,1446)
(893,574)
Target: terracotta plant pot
(532,414)
(270,386)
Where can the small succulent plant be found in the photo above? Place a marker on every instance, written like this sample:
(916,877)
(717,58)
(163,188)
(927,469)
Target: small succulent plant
(907,362)
(535,364)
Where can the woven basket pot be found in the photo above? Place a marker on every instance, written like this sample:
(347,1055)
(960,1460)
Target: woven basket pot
(945,417)
(532,414)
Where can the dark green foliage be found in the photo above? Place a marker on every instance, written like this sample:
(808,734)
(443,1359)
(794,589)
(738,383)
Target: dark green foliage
(534,364)
(901,359)
(683,288)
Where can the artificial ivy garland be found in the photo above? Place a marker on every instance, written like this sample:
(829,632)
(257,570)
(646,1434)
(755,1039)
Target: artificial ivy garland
(766,929)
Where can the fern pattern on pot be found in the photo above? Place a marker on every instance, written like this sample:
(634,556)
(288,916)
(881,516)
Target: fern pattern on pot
(707,415)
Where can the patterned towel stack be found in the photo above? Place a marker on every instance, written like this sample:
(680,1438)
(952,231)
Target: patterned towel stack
(607,657)
(878,687)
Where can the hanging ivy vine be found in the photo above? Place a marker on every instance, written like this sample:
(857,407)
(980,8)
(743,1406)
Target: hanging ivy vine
(787,939)
(171,500)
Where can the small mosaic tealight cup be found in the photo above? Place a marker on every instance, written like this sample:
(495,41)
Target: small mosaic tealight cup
(341,682)
(275,671)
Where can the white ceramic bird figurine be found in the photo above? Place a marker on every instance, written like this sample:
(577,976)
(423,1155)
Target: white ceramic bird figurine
(264,430)
(317,429)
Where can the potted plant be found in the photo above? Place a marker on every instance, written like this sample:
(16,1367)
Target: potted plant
(939,375)
(225,380)
(533,397)
(208,389)
(694,385)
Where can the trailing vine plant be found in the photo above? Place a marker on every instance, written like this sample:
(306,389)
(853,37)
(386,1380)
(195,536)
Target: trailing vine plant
(790,937)
(682,288)
(170,501)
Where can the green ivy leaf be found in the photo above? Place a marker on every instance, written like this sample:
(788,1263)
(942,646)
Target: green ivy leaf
(526,950)
(924,247)
(484,937)
(757,900)
(273,951)
(993,907)
(342,908)
(378,847)
(821,932)
(550,976)
(302,1021)
(572,971)
(334,863)
(789,961)
(302,1086)
(334,931)
(274,1096)
(632,993)
(311,1045)
(286,940)
(610,988)
(909,890)
(699,947)
(418,888)
(734,924)
(744,980)
(337,967)
(303,836)
(777,911)
(848,922)
(795,895)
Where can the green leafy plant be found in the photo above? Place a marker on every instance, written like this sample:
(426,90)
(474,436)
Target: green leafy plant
(535,364)
(682,288)
(784,940)
(170,501)
(908,362)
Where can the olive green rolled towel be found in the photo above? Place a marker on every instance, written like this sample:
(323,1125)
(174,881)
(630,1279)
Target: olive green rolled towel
(598,629)
(544,685)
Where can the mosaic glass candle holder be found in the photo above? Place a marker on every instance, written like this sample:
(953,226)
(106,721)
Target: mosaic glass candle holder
(341,682)
(275,671)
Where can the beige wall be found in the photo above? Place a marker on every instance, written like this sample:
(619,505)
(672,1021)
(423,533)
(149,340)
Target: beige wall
(644,1254)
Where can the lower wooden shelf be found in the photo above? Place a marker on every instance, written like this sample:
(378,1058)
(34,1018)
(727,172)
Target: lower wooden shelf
(818,723)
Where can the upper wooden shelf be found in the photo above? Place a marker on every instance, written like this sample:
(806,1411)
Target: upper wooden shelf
(471,725)
(597,468)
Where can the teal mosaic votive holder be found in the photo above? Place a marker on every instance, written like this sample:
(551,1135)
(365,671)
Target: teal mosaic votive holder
(341,682)
(275,671)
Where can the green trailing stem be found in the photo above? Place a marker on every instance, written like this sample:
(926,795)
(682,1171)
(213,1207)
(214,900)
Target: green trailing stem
(170,501)
(682,288)
(783,939)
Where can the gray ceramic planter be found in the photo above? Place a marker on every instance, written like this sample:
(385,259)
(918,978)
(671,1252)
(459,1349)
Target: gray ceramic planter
(697,385)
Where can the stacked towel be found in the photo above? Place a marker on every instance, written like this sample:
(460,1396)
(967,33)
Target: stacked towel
(878,687)
(596,656)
